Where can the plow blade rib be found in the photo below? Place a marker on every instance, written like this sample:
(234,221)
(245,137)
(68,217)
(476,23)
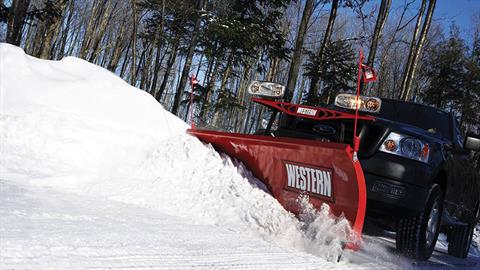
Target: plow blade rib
(289,167)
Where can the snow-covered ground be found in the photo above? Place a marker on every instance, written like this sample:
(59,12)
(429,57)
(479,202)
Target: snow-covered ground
(95,173)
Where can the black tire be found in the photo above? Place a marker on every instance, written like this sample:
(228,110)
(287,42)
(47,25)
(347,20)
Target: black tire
(415,238)
(460,237)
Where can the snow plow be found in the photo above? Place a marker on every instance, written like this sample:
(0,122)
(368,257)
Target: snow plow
(324,168)
(325,171)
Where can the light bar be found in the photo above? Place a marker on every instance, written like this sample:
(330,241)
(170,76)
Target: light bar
(365,104)
(266,89)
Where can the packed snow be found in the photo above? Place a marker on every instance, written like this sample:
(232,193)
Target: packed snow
(95,173)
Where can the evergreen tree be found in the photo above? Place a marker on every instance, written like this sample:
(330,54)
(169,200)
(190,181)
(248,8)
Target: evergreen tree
(445,68)
(470,113)
(337,70)
(454,79)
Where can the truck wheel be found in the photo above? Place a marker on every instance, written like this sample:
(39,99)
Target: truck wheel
(460,237)
(416,236)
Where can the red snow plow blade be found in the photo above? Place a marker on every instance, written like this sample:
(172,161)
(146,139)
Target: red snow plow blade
(325,171)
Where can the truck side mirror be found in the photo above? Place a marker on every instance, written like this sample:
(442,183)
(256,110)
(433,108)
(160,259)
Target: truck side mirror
(472,142)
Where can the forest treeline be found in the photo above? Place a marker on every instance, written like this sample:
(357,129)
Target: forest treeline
(311,46)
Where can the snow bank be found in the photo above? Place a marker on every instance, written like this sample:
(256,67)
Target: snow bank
(77,127)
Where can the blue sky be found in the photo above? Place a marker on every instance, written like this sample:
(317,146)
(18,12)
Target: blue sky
(460,11)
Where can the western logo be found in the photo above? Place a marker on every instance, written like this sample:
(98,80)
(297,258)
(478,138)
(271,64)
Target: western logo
(315,181)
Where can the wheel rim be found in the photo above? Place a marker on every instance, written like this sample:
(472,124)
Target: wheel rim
(432,225)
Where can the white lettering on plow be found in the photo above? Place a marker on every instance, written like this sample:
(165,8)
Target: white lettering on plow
(312,180)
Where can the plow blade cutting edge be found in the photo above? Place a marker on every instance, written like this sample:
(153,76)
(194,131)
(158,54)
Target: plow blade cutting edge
(324,171)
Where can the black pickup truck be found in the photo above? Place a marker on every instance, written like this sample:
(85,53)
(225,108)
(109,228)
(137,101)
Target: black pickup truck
(418,169)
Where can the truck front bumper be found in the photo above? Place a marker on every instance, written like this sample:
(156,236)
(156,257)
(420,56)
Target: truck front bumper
(386,197)
(396,186)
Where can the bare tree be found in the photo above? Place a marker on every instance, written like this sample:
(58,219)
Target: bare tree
(170,62)
(118,47)
(380,23)
(134,42)
(66,30)
(16,19)
(297,53)
(52,28)
(326,38)
(415,52)
(101,29)
(96,12)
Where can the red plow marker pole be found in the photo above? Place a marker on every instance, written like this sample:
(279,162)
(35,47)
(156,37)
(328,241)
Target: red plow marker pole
(356,139)
(362,189)
(368,75)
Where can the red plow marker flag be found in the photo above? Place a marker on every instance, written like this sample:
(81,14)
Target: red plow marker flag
(368,74)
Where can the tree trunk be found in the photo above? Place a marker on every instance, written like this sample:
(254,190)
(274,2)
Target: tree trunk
(418,50)
(117,49)
(141,61)
(188,60)
(125,60)
(134,42)
(101,29)
(242,93)
(147,62)
(326,38)
(38,40)
(97,6)
(65,32)
(380,23)
(156,69)
(297,53)
(272,74)
(223,85)
(29,39)
(158,59)
(170,62)
(412,48)
(381,19)
(210,78)
(52,29)
(16,20)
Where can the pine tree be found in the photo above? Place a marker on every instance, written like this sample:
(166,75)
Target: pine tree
(445,68)
(336,68)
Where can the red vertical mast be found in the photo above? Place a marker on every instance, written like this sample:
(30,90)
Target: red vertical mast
(356,139)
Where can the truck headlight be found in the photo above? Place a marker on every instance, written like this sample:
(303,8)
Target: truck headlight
(406,146)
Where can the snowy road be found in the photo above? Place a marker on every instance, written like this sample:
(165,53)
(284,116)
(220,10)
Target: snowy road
(44,229)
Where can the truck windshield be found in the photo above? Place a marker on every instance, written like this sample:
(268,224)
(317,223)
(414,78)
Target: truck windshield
(433,120)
